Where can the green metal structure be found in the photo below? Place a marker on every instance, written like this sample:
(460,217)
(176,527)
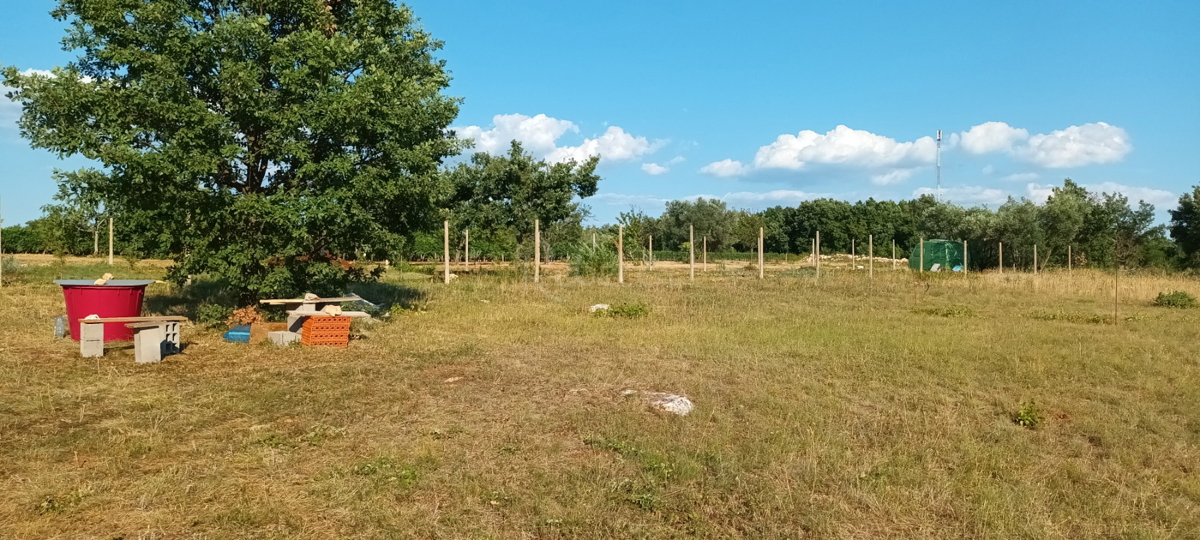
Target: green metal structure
(946,253)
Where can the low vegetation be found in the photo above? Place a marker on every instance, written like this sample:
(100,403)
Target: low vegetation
(490,408)
(1175,299)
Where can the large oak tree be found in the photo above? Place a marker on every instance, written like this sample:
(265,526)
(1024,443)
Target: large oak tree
(258,138)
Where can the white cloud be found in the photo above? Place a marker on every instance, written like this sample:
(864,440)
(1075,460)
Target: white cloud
(676,160)
(1161,199)
(724,168)
(39,72)
(1073,146)
(894,176)
(540,134)
(966,195)
(614,145)
(1021,177)
(988,169)
(991,137)
(1076,146)
(625,200)
(752,199)
(654,169)
(842,146)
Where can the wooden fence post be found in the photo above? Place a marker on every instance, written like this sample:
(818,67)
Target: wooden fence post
(1035,264)
(537,250)
(620,254)
(467,249)
(853,256)
(871,256)
(1001,258)
(1068,260)
(922,261)
(893,254)
(760,253)
(818,251)
(692,252)
(593,240)
(110,241)
(964,257)
(652,252)
(705,267)
(446,252)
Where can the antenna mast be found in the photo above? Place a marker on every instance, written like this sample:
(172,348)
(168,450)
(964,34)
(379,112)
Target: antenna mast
(939,165)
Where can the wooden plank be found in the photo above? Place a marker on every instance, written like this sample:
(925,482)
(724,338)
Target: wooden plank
(164,318)
(323,314)
(277,302)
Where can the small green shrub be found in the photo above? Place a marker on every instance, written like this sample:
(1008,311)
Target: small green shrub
(1175,299)
(213,315)
(12,269)
(629,310)
(1028,415)
(952,311)
(597,261)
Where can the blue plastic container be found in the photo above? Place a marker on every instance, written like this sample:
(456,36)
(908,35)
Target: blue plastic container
(238,334)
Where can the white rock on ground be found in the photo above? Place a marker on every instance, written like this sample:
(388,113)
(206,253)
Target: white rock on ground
(673,403)
(598,307)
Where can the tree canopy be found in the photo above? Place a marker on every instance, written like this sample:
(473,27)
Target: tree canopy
(260,137)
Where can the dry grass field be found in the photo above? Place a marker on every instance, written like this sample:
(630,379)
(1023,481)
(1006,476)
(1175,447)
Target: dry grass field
(494,408)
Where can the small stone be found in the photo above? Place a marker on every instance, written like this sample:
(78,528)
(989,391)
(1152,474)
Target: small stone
(452,380)
(598,307)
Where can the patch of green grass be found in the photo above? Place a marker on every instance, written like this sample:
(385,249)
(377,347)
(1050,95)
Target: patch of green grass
(626,310)
(1065,316)
(949,311)
(1175,299)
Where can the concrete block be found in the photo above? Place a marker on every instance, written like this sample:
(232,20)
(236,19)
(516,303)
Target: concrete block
(171,342)
(148,344)
(91,340)
(283,338)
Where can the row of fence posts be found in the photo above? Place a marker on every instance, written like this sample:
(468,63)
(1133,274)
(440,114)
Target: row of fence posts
(110,246)
(815,255)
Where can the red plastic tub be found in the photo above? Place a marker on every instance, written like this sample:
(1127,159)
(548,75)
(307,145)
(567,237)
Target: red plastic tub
(116,298)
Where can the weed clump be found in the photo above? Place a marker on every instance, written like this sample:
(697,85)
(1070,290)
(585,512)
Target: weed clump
(213,315)
(594,261)
(1028,415)
(1175,299)
(951,312)
(1043,315)
(629,310)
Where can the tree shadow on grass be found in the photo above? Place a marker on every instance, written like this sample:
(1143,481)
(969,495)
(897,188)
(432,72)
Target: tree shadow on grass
(187,301)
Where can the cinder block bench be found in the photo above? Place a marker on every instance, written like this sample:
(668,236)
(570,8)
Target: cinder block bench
(153,337)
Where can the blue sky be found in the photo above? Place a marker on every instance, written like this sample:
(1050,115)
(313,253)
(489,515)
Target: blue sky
(765,103)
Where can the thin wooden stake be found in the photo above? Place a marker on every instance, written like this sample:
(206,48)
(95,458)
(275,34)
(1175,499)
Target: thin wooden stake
(692,252)
(760,253)
(1068,260)
(467,249)
(110,241)
(853,257)
(893,254)
(652,252)
(1001,258)
(620,254)
(818,250)
(593,240)
(871,256)
(705,267)
(537,251)
(446,252)
(964,257)
(1035,264)
(922,261)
